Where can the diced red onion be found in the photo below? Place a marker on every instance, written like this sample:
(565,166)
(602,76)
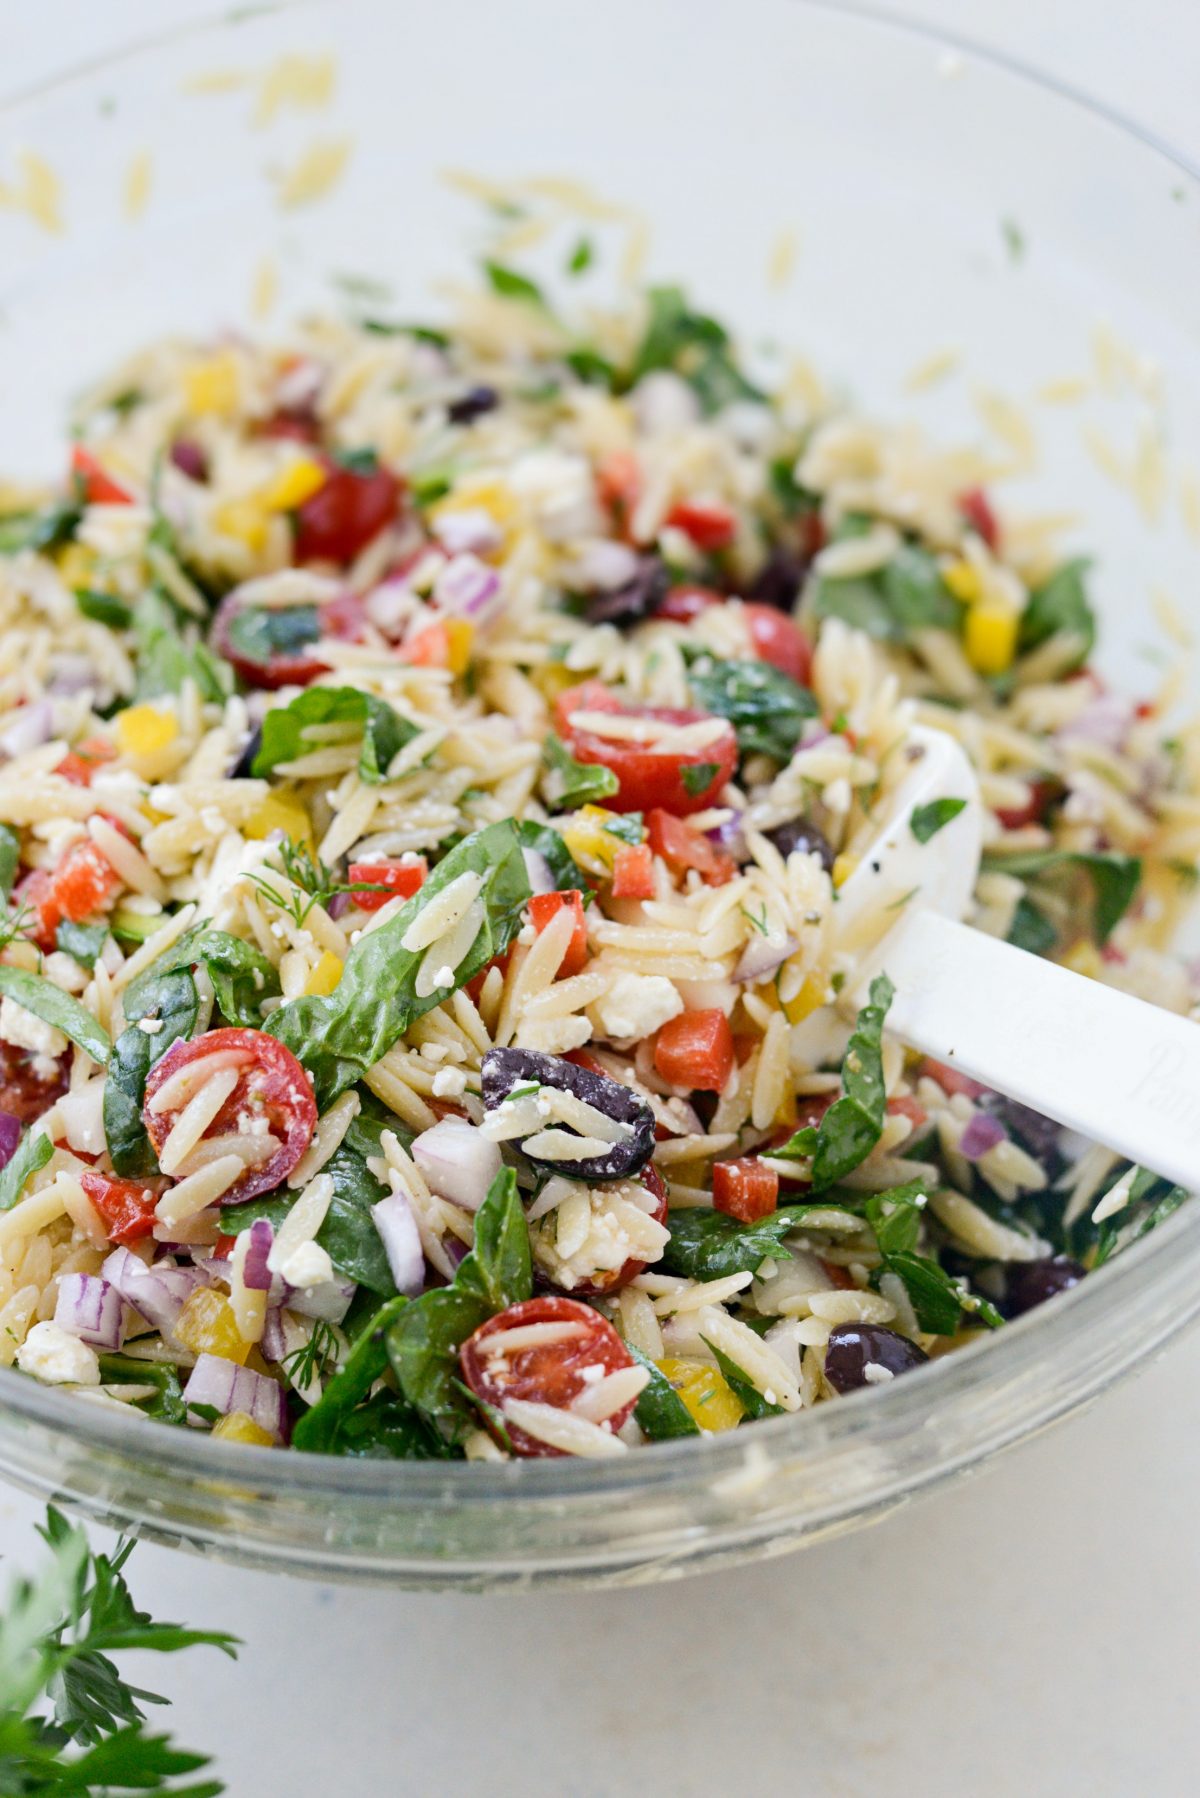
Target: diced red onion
(226,1387)
(156,1293)
(71,674)
(329,1299)
(32,726)
(10,1136)
(762,955)
(1105,721)
(255,1273)
(983,1132)
(340,904)
(729,836)
(397,1227)
(274,1341)
(458,1161)
(189,459)
(604,565)
(538,872)
(390,606)
(91,1308)
(472,529)
(663,401)
(467,586)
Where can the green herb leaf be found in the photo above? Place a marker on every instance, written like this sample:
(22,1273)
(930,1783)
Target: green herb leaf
(126,1370)
(168,653)
(927,820)
(581,257)
(47,529)
(590,366)
(853,1124)
(320,1427)
(82,941)
(907,595)
(259,633)
(510,284)
(744,1390)
(59,1009)
(767,709)
(568,784)
(938,1301)
(1060,606)
(709,1245)
(164,992)
(568,875)
(660,1412)
(694,346)
(104,608)
(1152,1200)
(10,859)
(697,776)
(895,1216)
(30,1156)
(1031,929)
(499,1267)
(1115,878)
(338,1038)
(384,731)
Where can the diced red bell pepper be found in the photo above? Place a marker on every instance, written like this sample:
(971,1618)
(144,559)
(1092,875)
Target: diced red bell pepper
(633,872)
(82,882)
(619,485)
(686,602)
(545,906)
(709,524)
(950,1080)
(99,488)
(745,1189)
(695,1051)
(682,848)
(976,508)
(125,1206)
(778,639)
(905,1106)
(79,765)
(399,879)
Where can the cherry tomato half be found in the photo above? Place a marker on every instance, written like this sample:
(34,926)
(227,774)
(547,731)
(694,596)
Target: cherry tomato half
(976,508)
(709,524)
(779,640)
(271,646)
(346,514)
(546,1373)
(684,603)
(99,488)
(545,906)
(272,1102)
(24,1092)
(399,880)
(629,1270)
(677,781)
(126,1207)
(682,848)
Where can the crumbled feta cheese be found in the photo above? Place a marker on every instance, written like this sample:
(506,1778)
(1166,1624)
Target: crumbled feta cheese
(25,1031)
(444,977)
(635,1005)
(877,1375)
(151,1026)
(57,1358)
(449,1083)
(308,1265)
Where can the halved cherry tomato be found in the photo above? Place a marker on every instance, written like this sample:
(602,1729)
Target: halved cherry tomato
(841,1279)
(125,1206)
(633,872)
(779,640)
(548,1373)
(24,1092)
(709,524)
(346,514)
(291,427)
(401,880)
(272,1100)
(682,848)
(745,1189)
(950,1080)
(272,646)
(99,488)
(544,906)
(976,508)
(80,883)
(695,1051)
(629,1270)
(678,781)
(1016,817)
(79,764)
(684,603)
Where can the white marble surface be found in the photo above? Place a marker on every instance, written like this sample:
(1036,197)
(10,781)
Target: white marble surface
(1032,1632)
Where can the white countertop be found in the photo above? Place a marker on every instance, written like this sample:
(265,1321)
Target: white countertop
(1031,1632)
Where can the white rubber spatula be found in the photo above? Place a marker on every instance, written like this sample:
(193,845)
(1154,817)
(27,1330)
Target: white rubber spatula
(1116,1069)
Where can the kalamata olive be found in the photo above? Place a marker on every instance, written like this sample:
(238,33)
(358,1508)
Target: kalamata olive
(1040,1135)
(190,459)
(472,404)
(779,580)
(642,594)
(854,1348)
(799,835)
(507,1069)
(245,762)
(1031,1283)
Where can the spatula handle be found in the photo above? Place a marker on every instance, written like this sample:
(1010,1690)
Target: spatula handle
(1112,1067)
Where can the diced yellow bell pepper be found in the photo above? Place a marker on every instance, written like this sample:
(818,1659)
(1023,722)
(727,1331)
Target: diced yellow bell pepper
(843,868)
(964,581)
(707,1396)
(1083,958)
(279,811)
(460,634)
(144,729)
(591,840)
(991,636)
(245,519)
(77,565)
(477,496)
(293,485)
(809,999)
(324,975)
(207,1326)
(213,385)
(239,1426)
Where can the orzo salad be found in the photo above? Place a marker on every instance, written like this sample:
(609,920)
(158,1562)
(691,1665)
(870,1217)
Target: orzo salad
(431,757)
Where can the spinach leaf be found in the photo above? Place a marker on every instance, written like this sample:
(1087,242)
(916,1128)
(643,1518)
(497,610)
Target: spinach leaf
(906,596)
(384,731)
(709,1245)
(567,783)
(895,1217)
(587,364)
(54,524)
(938,1301)
(10,859)
(1060,604)
(1160,1199)
(259,633)
(660,1412)
(547,842)
(242,976)
(168,995)
(387,1428)
(767,709)
(853,1124)
(29,1157)
(338,1038)
(319,1428)
(82,941)
(424,1341)
(510,284)
(168,653)
(1031,929)
(126,1370)
(581,257)
(53,1006)
(747,1394)
(694,346)
(104,608)
(926,820)
(1114,877)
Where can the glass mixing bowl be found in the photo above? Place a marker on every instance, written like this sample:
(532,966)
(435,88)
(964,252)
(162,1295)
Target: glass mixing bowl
(939,197)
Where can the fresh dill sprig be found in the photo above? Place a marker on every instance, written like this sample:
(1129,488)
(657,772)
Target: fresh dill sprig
(313,882)
(311,1361)
(70,1725)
